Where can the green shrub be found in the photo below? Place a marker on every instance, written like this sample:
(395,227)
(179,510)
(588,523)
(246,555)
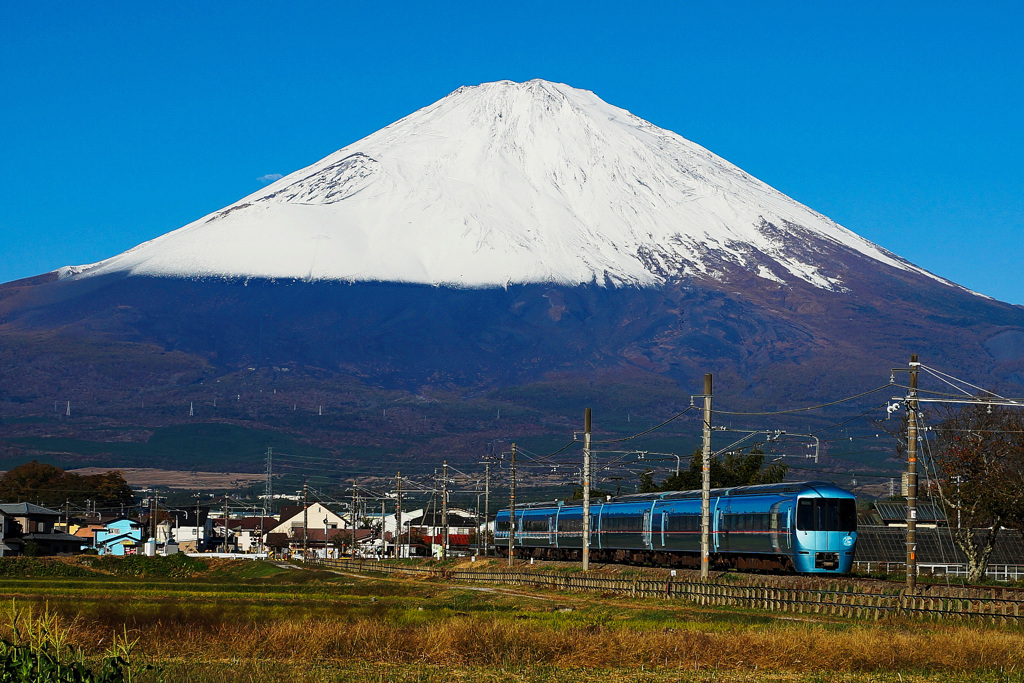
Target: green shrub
(176,566)
(40,566)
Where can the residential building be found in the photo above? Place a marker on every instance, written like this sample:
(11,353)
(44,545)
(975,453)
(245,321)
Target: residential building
(29,526)
(119,537)
(250,532)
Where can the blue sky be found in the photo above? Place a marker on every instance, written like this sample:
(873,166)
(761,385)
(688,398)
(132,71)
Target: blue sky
(902,121)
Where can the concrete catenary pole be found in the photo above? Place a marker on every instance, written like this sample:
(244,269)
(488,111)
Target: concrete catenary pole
(398,519)
(912,477)
(512,509)
(305,522)
(355,505)
(444,508)
(224,542)
(487,505)
(705,486)
(197,524)
(586,489)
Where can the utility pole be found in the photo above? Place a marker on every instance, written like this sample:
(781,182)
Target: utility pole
(586,489)
(156,512)
(512,509)
(398,519)
(444,508)
(487,504)
(305,522)
(270,479)
(355,506)
(224,543)
(912,478)
(383,543)
(197,522)
(476,517)
(705,487)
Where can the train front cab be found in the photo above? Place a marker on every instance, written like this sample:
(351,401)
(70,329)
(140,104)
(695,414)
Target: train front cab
(825,534)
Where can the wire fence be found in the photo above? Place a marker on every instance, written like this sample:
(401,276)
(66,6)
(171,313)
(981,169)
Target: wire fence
(843,598)
(997,572)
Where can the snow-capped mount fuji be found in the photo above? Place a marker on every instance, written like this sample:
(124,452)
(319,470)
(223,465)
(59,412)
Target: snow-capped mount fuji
(525,245)
(512,183)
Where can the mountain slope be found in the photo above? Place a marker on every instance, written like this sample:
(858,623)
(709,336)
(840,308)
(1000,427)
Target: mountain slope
(517,248)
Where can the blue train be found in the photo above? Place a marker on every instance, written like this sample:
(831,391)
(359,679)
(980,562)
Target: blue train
(805,527)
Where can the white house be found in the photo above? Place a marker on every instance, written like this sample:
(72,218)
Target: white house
(190,532)
(317,515)
(251,532)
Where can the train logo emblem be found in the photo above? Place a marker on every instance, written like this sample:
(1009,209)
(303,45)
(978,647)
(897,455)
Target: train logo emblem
(848,541)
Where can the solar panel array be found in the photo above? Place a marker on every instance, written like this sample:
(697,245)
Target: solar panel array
(927,513)
(934,546)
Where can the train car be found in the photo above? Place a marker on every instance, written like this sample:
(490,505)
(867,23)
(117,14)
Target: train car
(804,527)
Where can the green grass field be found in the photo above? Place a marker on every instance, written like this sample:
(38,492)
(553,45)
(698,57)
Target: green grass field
(255,621)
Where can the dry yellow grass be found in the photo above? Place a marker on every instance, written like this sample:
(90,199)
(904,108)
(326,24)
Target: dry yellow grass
(344,628)
(511,643)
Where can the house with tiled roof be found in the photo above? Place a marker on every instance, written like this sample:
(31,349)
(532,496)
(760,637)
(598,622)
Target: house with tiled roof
(324,526)
(27,526)
(250,532)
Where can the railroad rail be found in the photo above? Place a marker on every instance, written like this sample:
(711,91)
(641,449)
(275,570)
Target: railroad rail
(843,598)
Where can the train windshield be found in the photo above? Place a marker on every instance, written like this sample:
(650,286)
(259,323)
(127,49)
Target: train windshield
(826,514)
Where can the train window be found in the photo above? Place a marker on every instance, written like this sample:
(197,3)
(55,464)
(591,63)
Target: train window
(571,524)
(502,525)
(827,514)
(805,515)
(619,523)
(683,523)
(535,525)
(847,515)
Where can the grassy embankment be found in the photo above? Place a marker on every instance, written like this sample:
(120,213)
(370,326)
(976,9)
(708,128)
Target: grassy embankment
(222,621)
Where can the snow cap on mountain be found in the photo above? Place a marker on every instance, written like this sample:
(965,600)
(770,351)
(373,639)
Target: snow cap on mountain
(507,183)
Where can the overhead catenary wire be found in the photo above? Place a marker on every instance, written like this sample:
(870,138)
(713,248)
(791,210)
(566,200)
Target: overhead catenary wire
(808,408)
(942,375)
(646,431)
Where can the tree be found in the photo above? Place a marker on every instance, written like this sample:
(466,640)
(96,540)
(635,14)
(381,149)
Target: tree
(36,482)
(339,541)
(647,484)
(736,469)
(980,465)
(33,482)
(577,493)
(108,488)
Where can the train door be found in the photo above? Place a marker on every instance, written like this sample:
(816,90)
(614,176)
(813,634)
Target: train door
(664,525)
(723,526)
(779,526)
(551,530)
(647,529)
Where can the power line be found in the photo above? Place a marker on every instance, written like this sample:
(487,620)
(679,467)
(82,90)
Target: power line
(648,431)
(941,375)
(800,410)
